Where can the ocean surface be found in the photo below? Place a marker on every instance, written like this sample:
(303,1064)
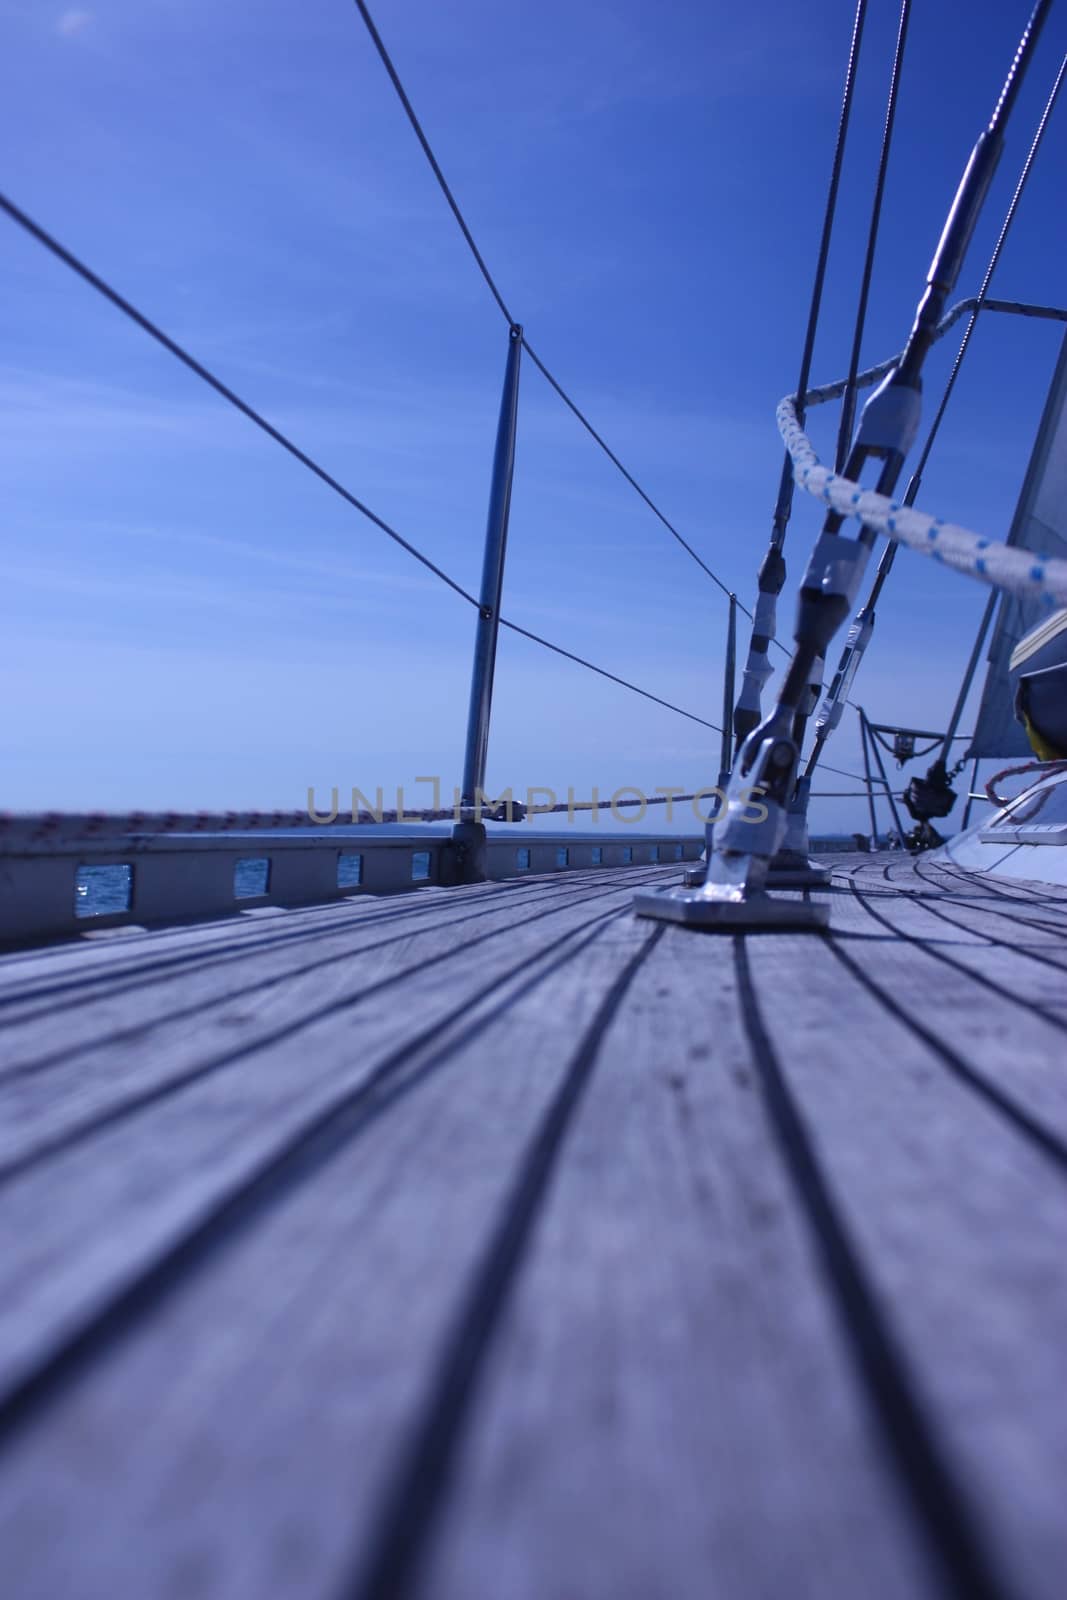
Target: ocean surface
(103,891)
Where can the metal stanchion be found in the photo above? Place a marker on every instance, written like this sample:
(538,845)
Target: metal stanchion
(468,835)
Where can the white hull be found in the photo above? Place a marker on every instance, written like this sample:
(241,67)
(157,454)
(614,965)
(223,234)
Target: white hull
(1028,839)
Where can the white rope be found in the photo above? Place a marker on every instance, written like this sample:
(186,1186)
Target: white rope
(988,560)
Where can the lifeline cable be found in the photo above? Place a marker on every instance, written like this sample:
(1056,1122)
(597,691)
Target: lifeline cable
(417,128)
(206,376)
(155,332)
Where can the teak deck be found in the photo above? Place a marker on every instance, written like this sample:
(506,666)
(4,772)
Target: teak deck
(491,1244)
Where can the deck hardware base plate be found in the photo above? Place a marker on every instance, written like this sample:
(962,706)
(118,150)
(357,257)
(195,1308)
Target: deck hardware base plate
(800,877)
(698,909)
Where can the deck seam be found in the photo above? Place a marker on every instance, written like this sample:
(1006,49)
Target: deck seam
(980,978)
(47,1149)
(413,1499)
(303,1153)
(1032,1130)
(936,1500)
(1036,901)
(64,1054)
(224,951)
(1057,928)
(925,903)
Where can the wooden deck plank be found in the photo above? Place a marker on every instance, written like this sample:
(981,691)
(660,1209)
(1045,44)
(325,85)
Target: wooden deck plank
(1043,905)
(1020,963)
(960,1220)
(1043,936)
(267,1388)
(1021,891)
(125,1012)
(115,1175)
(996,1013)
(89,1064)
(672,1396)
(96,951)
(80,974)
(1030,896)
(960,1228)
(420,1195)
(511,1241)
(93,960)
(1021,956)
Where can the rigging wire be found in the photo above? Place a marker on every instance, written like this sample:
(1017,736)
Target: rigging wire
(1012,84)
(1018,308)
(417,128)
(432,159)
(841,773)
(980,302)
(591,666)
(853,653)
(772,569)
(155,332)
(632,481)
(822,260)
(848,404)
(559,651)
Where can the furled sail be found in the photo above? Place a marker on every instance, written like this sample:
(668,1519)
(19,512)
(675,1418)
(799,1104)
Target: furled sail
(1040,524)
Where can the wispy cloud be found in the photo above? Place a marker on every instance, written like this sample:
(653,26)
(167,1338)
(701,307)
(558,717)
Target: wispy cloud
(245,552)
(73,22)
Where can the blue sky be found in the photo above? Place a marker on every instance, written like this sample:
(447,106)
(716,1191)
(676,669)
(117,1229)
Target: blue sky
(190,619)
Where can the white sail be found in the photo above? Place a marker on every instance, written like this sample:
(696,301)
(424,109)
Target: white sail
(1040,525)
